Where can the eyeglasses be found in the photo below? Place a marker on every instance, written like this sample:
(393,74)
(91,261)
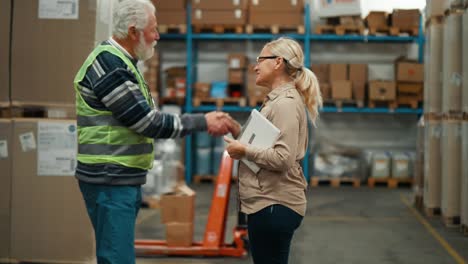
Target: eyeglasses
(262,58)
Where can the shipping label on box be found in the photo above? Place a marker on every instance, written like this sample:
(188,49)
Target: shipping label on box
(237,61)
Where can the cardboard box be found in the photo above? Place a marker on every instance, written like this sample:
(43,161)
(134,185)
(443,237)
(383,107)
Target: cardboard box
(377,19)
(172,17)
(179,234)
(237,61)
(267,18)
(326,90)
(178,206)
(6,144)
(338,72)
(276,5)
(45,73)
(341,89)
(219,4)
(435,8)
(409,71)
(5,9)
(334,8)
(219,17)
(405,18)
(168,5)
(49,221)
(411,88)
(382,90)
(202,90)
(358,74)
(236,76)
(321,71)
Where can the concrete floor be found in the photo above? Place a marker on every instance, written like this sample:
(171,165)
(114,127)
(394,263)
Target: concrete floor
(343,225)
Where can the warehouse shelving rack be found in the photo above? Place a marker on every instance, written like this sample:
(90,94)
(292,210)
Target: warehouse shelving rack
(192,39)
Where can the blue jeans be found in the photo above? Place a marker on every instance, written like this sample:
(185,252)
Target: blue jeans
(113,211)
(270,233)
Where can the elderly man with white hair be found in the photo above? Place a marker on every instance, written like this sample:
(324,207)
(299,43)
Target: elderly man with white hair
(117,122)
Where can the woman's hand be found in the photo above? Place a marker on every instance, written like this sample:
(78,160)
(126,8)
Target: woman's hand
(235,149)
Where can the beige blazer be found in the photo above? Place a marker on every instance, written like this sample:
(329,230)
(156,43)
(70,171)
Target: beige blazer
(280,180)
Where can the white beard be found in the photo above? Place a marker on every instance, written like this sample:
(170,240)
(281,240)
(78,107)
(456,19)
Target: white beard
(142,51)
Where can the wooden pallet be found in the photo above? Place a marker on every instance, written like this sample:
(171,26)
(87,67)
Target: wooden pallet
(274,29)
(432,212)
(172,28)
(172,100)
(451,221)
(391,183)
(411,101)
(339,29)
(464,230)
(390,104)
(204,178)
(335,182)
(220,102)
(219,29)
(382,30)
(52,111)
(395,31)
(340,103)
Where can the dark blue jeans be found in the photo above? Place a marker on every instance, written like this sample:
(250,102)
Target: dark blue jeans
(113,211)
(270,233)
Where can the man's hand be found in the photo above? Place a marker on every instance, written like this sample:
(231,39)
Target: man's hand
(218,123)
(235,149)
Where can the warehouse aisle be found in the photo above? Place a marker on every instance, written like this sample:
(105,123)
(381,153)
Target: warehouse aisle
(345,225)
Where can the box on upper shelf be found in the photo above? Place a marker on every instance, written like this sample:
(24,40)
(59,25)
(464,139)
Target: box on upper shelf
(169,5)
(334,8)
(219,17)
(405,18)
(341,89)
(409,71)
(237,61)
(219,4)
(284,6)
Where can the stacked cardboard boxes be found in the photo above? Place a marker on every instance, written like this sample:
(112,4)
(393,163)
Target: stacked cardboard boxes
(282,13)
(171,14)
(405,20)
(5,11)
(151,74)
(321,71)
(178,211)
(410,82)
(227,13)
(341,87)
(358,74)
(62,41)
(376,21)
(6,144)
(382,91)
(175,82)
(237,66)
(49,222)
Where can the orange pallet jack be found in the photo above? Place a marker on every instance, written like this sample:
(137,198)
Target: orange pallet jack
(213,243)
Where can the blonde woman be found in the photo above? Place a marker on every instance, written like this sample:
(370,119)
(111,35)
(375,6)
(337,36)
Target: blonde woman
(274,199)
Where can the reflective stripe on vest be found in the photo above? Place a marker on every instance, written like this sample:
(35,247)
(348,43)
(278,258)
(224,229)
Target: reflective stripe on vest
(101,137)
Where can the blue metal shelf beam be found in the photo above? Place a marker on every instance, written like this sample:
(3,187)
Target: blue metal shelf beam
(379,110)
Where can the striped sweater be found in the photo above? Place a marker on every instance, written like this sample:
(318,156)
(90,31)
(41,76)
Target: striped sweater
(110,86)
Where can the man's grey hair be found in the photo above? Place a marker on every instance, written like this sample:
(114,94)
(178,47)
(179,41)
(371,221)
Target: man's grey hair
(130,13)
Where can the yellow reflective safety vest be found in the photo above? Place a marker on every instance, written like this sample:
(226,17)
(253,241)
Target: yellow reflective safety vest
(101,137)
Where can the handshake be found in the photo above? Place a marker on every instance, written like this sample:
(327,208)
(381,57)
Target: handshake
(220,123)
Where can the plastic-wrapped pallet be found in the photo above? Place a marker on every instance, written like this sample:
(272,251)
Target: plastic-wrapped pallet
(451,168)
(464,199)
(465,62)
(418,169)
(452,81)
(433,68)
(380,165)
(401,165)
(432,164)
